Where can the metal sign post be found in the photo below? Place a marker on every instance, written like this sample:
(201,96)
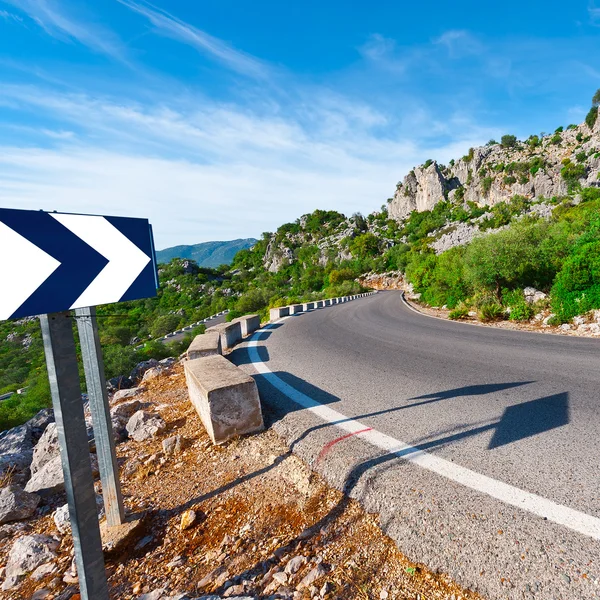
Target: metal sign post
(59,345)
(93,366)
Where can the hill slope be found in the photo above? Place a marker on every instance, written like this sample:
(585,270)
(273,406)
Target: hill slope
(207,254)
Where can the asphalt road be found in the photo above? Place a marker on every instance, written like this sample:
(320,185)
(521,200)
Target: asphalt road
(479,447)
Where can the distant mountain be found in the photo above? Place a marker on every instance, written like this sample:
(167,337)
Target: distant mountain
(207,254)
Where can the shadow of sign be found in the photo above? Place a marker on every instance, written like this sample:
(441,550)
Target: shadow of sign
(531,418)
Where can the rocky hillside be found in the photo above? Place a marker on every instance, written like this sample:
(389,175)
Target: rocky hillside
(207,254)
(543,166)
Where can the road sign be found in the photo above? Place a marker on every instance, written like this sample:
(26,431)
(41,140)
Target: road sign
(51,262)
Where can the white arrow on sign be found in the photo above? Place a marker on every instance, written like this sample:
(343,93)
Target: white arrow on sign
(24,273)
(125,260)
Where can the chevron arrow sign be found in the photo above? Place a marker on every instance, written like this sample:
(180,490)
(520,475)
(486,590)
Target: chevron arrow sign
(50,262)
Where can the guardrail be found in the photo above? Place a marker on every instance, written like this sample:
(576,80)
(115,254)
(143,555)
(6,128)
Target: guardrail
(184,329)
(224,396)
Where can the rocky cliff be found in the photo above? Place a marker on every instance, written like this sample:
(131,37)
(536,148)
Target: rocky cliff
(545,166)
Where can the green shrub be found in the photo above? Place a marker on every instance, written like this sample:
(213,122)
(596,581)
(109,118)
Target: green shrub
(487,184)
(559,129)
(520,310)
(536,164)
(427,163)
(509,180)
(508,141)
(591,117)
(556,139)
(469,157)
(572,173)
(581,156)
(491,312)
(461,312)
(577,286)
(19,408)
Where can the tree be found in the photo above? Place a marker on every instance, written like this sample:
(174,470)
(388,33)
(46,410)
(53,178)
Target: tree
(596,98)
(508,141)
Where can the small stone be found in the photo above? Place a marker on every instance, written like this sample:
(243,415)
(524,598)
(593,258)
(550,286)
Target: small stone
(144,425)
(41,594)
(172,445)
(325,589)
(295,564)
(312,576)
(16,504)
(43,571)
(156,594)
(27,553)
(188,518)
(384,594)
(280,577)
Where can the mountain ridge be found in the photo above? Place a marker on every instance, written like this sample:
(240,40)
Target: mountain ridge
(206,254)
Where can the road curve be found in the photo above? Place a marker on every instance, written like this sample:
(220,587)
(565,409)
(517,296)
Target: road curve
(477,446)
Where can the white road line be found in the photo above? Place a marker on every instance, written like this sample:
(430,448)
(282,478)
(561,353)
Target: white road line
(532,503)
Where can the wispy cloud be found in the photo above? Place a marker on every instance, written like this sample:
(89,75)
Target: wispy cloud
(219,50)
(459,42)
(57,23)
(8,16)
(383,52)
(130,158)
(594,14)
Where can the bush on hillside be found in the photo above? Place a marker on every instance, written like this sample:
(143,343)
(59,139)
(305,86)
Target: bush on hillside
(577,286)
(508,141)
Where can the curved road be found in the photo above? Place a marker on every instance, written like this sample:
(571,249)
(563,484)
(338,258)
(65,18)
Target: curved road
(479,447)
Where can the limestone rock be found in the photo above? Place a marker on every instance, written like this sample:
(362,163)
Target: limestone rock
(46,449)
(16,504)
(172,445)
(50,477)
(47,479)
(27,553)
(313,575)
(138,372)
(144,425)
(295,564)
(152,373)
(188,518)
(126,394)
(16,453)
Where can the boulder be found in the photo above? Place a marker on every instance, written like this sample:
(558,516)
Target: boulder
(62,519)
(16,504)
(27,553)
(138,372)
(50,477)
(46,449)
(38,424)
(119,383)
(126,394)
(16,453)
(144,425)
(152,373)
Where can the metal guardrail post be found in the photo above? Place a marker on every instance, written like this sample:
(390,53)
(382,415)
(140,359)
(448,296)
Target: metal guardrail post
(59,346)
(93,365)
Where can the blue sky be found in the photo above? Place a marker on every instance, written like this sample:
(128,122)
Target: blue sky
(222,119)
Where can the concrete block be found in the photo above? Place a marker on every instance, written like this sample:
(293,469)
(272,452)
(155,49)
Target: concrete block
(277,313)
(319,304)
(309,306)
(206,344)
(231,334)
(327,302)
(296,309)
(249,324)
(224,396)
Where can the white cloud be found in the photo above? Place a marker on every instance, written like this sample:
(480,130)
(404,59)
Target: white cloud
(55,22)
(209,172)
(171,26)
(8,16)
(459,43)
(383,52)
